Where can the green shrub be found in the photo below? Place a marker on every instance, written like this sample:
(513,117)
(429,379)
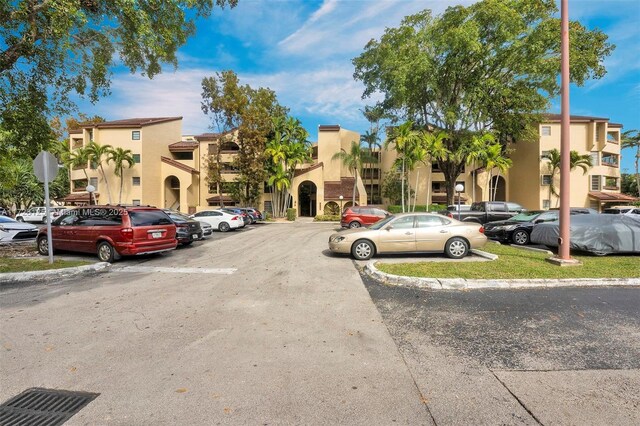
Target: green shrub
(327,218)
(291,214)
(419,208)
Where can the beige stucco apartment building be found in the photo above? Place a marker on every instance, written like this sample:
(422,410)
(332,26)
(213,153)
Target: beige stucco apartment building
(170,169)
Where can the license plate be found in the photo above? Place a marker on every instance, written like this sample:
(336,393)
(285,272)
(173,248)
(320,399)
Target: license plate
(156,235)
(194,236)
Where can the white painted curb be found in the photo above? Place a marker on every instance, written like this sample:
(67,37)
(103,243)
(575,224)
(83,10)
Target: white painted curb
(465,284)
(19,277)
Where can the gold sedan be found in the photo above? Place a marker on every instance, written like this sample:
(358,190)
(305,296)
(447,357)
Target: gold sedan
(410,233)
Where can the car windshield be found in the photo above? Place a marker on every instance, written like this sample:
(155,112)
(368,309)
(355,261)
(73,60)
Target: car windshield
(379,224)
(525,217)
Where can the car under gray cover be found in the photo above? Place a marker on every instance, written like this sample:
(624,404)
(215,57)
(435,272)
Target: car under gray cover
(598,233)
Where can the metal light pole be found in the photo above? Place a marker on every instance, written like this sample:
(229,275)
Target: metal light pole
(90,189)
(459,189)
(565,142)
(341,198)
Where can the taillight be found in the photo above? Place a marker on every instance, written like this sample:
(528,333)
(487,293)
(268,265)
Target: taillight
(235,218)
(127,233)
(481,229)
(450,215)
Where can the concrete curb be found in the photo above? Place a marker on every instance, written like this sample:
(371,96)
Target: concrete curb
(21,277)
(465,284)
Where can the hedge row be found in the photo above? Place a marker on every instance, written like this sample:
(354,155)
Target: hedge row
(419,208)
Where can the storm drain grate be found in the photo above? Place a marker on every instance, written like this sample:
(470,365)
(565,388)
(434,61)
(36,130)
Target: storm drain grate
(43,407)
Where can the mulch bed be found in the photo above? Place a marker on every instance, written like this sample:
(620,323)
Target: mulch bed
(26,249)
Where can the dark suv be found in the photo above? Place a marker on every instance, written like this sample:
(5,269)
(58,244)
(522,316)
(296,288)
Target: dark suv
(357,216)
(110,232)
(187,229)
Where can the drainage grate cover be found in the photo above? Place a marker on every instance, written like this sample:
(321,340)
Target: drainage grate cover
(43,407)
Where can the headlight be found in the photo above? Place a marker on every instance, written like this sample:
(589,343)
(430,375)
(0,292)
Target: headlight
(510,227)
(338,239)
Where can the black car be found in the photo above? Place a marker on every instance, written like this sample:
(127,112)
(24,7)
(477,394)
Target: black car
(518,228)
(187,230)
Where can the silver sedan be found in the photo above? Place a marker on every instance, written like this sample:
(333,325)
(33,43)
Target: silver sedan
(410,233)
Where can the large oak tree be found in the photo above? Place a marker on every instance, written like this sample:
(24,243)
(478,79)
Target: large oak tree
(490,67)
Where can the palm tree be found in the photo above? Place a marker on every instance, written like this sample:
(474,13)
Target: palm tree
(119,157)
(354,160)
(77,158)
(631,139)
(371,139)
(402,137)
(95,153)
(495,159)
(575,160)
(434,151)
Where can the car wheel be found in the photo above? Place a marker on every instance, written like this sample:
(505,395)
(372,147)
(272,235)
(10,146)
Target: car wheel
(43,246)
(456,248)
(20,219)
(223,227)
(362,250)
(520,237)
(354,224)
(106,252)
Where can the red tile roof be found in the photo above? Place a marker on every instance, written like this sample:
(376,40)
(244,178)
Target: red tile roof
(611,196)
(329,128)
(131,122)
(183,146)
(82,197)
(574,118)
(179,165)
(216,199)
(344,187)
(299,172)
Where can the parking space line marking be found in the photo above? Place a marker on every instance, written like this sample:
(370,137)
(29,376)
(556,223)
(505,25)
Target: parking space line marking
(219,271)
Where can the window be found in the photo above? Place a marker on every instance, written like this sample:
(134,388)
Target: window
(546,204)
(93,165)
(136,158)
(438,187)
(94,182)
(612,137)
(610,160)
(546,179)
(544,155)
(595,158)
(429,221)
(135,181)
(136,202)
(183,155)
(595,183)
(135,135)
(404,222)
(545,131)
(515,207)
(611,183)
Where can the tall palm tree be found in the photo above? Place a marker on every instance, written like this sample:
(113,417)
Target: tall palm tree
(631,139)
(402,137)
(575,161)
(95,154)
(433,143)
(119,157)
(77,158)
(371,139)
(353,160)
(495,159)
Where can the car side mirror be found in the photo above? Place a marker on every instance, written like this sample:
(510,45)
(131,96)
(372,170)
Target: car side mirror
(538,221)
(388,228)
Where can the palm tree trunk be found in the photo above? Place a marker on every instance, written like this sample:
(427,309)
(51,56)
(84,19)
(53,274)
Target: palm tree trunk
(429,186)
(355,184)
(402,184)
(106,182)
(121,185)
(488,186)
(415,195)
(495,187)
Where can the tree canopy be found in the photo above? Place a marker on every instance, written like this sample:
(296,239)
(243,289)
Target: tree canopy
(489,67)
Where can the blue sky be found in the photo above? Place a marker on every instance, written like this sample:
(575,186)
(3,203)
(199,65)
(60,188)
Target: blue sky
(303,51)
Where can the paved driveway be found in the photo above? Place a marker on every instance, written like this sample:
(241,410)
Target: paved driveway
(273,332)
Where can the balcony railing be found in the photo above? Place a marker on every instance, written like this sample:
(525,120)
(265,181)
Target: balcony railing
(611,188)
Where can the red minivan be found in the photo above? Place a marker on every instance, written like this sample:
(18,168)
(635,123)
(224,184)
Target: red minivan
(355,217)
(111,231)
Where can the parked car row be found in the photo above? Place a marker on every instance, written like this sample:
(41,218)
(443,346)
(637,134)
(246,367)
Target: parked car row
(115,231)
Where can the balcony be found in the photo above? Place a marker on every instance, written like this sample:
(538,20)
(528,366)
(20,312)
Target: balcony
(611,160)
(613,137)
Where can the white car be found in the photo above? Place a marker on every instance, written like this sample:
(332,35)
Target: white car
(630,210)
(12,231)
(222,221)
(207,229)
(38,214)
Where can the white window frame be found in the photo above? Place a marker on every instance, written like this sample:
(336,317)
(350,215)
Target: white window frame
(545,130)
(139,158)
(135,202)
(546,204)
(133,181)
(591,182)
(134,133)
(595,158)
(542,180)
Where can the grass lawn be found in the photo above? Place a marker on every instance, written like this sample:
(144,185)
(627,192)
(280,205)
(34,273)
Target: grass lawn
(8,264)
(519,263)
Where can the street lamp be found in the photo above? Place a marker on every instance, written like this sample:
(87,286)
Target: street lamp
(90,189)
(341,198)
(459,189)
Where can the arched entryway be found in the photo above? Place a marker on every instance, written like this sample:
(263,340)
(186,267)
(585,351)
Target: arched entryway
(307,196)
(501,190)
(331,209)
(172,193)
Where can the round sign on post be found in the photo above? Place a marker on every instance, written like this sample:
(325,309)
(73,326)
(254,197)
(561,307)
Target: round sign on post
(51,162)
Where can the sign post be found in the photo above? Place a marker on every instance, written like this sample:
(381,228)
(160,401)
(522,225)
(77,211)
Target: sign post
(45,167)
